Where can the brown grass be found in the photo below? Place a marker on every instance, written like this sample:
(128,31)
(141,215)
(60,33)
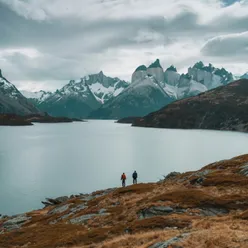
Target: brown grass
(135,189)
(199,198)
(160,223)
(216,179)
(44,236)
(139,240)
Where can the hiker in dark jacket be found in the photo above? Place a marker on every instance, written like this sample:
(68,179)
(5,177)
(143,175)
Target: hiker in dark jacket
(123,179)
(135,176)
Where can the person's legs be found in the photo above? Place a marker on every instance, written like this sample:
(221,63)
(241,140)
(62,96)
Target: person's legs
(123,183)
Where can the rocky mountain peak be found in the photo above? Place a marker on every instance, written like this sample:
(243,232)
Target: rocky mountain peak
(155,64)
(198,65)
(101,74)
(172,68)
(245,76)
(141,68)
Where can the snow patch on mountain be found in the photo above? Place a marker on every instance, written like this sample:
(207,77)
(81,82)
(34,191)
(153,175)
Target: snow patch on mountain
(8,88)
(138,99)
(12,101)
(142,87)
(39,96)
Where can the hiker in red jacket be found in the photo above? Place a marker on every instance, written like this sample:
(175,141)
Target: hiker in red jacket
(123,179)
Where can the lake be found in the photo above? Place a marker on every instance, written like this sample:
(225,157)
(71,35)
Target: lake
(50,160)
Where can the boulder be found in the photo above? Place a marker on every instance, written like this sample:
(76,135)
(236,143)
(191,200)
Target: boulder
(56,201)
(158,211)
(59,210)
(170,242)
(172,175)
(78,208)
(16,222)
(82,219)
(244,170)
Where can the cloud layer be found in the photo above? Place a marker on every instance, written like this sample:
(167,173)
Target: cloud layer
(44,43)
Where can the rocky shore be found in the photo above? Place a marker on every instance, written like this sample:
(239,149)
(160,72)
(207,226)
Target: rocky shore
(205,208)
(28,120)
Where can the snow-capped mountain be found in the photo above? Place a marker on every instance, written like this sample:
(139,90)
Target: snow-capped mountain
(210,76)
(139,98)
(38,96)
(171,76)
(12,101)
(199,78)
(74,100)
(79,97)
(104,88)
(99,96)
(245,76)
(153,88)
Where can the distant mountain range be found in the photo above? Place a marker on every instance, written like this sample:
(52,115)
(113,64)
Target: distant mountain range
(102,97)
(223,108)
(152,88)
(79,97)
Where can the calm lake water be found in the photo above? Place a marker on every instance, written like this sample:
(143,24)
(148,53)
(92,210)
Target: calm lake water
(50,160)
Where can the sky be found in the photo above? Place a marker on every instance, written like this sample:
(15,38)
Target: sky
(45,43)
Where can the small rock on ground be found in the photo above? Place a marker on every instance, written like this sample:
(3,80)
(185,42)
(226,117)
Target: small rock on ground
(59,210)
(169,242)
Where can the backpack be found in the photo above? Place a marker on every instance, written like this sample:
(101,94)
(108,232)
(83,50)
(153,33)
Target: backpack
(123,177)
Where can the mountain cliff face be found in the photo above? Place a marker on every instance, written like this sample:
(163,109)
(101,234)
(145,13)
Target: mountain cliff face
(138,99)
(198,79)
(155,70)
(12,101)
(210,76)
(223,108)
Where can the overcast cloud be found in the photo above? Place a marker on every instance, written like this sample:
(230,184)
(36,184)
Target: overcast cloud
(45,43)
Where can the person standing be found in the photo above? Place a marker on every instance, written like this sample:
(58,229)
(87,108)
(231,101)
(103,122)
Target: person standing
(123,179)
(135,176)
